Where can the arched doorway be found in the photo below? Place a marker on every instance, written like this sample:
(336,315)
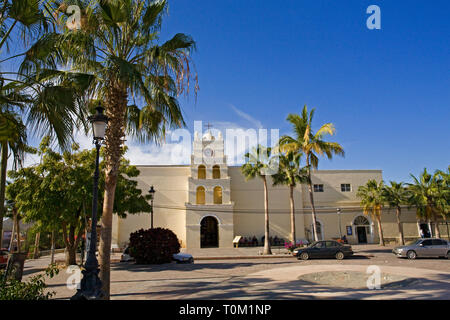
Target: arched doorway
(362,228)
(209,233)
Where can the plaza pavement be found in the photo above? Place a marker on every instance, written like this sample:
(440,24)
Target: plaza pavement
(242,276)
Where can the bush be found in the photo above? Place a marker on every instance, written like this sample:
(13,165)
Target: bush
(153,246)
(34,289)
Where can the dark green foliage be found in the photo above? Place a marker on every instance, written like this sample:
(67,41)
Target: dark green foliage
(153,246)
(34,289)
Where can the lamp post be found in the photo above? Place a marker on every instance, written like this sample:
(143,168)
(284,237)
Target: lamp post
(339,211)
(91,286)
(152,197)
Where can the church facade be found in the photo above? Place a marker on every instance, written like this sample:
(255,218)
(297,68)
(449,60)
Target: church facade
(208,204)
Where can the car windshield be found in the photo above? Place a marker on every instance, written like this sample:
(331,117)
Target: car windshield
(318,244)
(414,242)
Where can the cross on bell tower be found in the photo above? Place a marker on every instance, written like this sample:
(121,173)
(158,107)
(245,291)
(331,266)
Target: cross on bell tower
(208,126)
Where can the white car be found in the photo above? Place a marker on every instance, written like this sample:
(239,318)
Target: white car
(177,257)
(183,258)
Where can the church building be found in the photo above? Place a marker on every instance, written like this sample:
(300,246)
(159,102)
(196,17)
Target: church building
(208,203)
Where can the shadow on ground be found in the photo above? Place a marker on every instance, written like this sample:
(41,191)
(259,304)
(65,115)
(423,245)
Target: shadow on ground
(263,288)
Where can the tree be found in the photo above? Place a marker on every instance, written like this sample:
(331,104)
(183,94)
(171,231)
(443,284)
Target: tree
(118,44)
(290,173)
(372,202)
(13,138)
(58,192)
(260,163)
(395,196)
(443,192)
(36,94)
(312,145)
(429,194)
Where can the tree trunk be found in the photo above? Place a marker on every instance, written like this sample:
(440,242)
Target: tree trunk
(436,225)
(71,255)
(11,241)
(116,103)
(400,227)
(52,258)
(36,246)
(266,213)
(291,198)
(3,165)
(17,223)
(311,199)
(380,230)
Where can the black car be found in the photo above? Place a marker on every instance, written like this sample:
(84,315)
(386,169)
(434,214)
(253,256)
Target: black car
(324,249)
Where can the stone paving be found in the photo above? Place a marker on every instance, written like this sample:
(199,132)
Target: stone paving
(244,277)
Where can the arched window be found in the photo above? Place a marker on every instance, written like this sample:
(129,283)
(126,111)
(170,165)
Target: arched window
(200,195)
(201,172)
(361,221)
(217,195)
(216,172)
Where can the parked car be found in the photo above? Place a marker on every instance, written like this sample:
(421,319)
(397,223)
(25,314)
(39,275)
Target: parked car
(177,257)
(324,249)
(424,248)
(183,258)
(3,257)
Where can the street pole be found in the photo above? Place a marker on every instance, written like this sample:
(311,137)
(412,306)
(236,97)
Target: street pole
(152,214)
(91,285)
(151,193)
(339,218)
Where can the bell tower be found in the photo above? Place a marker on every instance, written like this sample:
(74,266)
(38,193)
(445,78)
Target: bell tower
(209,212)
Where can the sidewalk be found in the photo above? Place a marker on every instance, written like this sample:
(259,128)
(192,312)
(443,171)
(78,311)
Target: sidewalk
(236,253)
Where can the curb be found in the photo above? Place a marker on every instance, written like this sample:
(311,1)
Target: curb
(244,257)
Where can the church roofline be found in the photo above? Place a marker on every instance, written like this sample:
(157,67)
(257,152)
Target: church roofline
(232,166)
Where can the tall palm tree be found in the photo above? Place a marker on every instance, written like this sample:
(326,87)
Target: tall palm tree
(312,145)
(395,196)
(13,138)
(425,195)
(118,44)
(443,192)
(372,201)
(290,173)
(259,163)
(42,98)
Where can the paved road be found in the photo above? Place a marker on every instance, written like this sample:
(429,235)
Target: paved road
(274,278)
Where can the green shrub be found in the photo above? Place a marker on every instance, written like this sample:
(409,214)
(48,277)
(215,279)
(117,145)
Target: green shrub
(153,246)
(34,289)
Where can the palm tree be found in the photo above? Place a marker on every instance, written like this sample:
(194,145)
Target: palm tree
(443,192)
(13,138)
(395,196)
(260,163)
(312,145)
(43,99)
(372,202)
(118,44)
(290,173)
(425,196)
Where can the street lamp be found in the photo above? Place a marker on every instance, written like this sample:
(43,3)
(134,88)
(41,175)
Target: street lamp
(91,286)
(339,211)
(152,197)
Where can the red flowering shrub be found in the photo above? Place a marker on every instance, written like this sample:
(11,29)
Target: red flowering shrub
(153,246)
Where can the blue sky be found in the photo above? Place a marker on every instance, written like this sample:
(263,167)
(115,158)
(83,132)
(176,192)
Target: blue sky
(386,91)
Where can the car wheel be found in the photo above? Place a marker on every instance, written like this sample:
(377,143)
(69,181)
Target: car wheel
(448,255)
(411,255)
(339,255)
(191,260)
(304,256)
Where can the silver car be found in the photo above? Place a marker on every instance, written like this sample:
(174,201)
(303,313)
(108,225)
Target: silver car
(424,248)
